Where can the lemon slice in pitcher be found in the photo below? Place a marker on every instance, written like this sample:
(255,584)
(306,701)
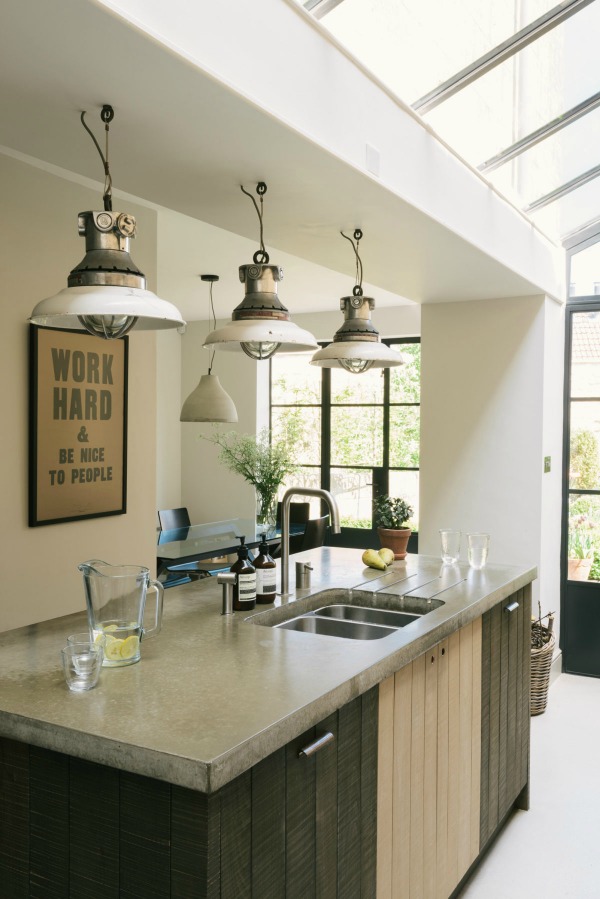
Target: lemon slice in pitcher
(129,647)
(112,649)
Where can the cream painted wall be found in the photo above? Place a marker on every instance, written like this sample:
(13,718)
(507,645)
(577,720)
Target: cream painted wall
(209,490)
(168,406)
(490,412)
(40,244)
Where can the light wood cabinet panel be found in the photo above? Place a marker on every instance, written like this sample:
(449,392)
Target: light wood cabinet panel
(435,770)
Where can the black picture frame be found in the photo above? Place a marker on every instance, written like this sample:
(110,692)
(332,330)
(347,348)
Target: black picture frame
(77,426)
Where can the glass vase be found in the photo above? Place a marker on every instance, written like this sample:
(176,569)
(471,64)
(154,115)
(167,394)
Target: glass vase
(266,513)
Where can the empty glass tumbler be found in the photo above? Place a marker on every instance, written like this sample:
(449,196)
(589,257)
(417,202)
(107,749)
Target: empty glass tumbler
(478,548)
(81,664)
(450,541)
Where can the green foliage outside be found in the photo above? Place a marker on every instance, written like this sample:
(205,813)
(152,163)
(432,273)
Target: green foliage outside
(594,574)
(584,511)
(584,461)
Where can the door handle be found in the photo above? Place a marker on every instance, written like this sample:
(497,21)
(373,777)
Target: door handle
(317,744)
(511,607)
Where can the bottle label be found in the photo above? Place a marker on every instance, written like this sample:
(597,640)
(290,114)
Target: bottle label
(247,587)
(266,581)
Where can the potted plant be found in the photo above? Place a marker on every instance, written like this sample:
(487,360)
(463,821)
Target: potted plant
(390,515)
(263,463)
(580,554)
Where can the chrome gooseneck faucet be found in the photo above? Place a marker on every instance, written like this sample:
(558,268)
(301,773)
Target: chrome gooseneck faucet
(285,525)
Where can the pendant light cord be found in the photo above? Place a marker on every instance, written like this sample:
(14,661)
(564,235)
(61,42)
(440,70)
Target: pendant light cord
(261,257)
(358,291)
(107,116)
(212,309)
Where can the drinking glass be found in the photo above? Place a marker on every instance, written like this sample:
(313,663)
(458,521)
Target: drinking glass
(479,545)
(450,546)
(81,664)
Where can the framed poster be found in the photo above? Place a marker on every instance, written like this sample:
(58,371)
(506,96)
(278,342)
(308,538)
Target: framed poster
(77,426)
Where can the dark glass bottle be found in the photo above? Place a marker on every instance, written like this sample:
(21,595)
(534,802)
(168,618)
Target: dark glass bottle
(266,574)
(244,589)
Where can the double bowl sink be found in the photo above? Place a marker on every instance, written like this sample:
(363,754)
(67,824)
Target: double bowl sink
(349,614)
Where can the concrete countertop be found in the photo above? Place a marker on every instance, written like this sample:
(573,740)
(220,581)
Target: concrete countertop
(213,695)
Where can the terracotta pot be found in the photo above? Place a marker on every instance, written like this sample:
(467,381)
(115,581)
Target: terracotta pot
(579,569)
(395,539)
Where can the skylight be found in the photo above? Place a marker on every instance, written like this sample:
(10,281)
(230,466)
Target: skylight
(535,114)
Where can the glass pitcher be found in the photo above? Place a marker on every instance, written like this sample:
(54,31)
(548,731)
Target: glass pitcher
(115,596)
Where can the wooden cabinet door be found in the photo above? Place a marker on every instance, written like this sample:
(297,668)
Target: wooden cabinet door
(506,659)
(429,770)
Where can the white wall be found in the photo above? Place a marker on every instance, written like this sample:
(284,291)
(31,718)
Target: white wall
(40,245)
(490,412)
(554,341)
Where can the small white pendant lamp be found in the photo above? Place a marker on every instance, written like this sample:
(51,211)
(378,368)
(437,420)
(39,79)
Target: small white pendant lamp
(106,293)
(261,325)
(356,345)
(209,401)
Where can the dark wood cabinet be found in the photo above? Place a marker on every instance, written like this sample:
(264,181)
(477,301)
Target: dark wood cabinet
(505,714)
(291,826)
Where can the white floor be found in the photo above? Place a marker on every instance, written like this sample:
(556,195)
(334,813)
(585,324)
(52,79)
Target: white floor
(553,850)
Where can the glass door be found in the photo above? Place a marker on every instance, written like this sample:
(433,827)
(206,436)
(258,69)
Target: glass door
(580,615)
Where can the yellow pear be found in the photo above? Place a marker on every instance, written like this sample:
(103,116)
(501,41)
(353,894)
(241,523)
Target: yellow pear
(387,555)
(372,558)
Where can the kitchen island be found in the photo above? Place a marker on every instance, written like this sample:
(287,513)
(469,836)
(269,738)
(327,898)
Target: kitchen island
(189,757)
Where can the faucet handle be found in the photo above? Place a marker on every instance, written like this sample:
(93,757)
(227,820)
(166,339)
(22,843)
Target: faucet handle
(228,580)
(303,570)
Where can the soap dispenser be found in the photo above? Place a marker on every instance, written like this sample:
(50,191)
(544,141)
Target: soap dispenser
(266,573)
(244,590)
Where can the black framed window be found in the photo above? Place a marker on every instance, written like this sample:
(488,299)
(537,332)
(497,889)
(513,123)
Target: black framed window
(355,435)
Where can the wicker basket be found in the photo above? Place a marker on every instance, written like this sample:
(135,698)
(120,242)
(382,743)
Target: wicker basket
(541,660)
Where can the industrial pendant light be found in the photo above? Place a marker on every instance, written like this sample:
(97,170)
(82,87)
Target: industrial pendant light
(106,293)
(356,345)
(209,402)
(261,324)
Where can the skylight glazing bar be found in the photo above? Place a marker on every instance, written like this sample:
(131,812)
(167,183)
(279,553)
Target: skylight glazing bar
(583,237)
(564,189)
(320,8)
(499,54)
(541,134)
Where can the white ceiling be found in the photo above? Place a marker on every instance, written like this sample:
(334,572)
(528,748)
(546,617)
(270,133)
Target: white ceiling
(186,142)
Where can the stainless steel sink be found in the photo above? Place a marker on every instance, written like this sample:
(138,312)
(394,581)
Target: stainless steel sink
(338,604)
(367,615)
(336,627)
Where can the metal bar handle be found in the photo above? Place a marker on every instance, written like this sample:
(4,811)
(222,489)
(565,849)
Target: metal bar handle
(316,745)
(511,607)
